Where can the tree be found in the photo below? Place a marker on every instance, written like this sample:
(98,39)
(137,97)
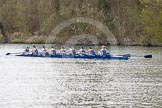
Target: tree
(152,19)
(3,33)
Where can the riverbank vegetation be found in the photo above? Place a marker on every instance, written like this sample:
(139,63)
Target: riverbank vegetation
(133,22)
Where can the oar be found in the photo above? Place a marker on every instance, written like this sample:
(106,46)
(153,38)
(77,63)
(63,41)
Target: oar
(128,55)
(148,56)
(13,53)
(145,56)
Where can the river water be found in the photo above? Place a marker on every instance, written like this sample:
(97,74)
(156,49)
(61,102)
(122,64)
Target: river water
(78,83)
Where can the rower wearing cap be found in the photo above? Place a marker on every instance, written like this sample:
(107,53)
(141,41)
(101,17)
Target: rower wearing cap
(34,51)
(91,51)
(82,51)
(103,51)
(52,51)
(27,51)
(43,51)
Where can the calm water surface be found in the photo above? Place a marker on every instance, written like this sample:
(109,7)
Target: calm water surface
(77,83)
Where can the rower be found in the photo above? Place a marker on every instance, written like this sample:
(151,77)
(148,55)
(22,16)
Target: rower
(52,51)
(71,51)
(34,51)
(43,51)
(91,51)
(82,51)
(103,51)
(62,51)
(27,51)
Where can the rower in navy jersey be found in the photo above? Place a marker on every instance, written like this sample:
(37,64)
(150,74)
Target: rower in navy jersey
(71,51)
(52,51)
(43,51)
(103,51)
(34,51)
(27,51)
(63,51)
(82,51)
(91,51)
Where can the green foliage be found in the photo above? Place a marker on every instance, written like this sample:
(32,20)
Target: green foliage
(101,4)
(139,20)
(1,38)
(36,40)
(152,18)
(160,39)
(18,40)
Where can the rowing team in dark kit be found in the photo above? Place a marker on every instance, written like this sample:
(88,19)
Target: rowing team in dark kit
(71,51)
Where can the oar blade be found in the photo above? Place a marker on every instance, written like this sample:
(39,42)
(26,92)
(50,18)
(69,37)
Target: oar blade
(13,53)
(148,56)
(8,53)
